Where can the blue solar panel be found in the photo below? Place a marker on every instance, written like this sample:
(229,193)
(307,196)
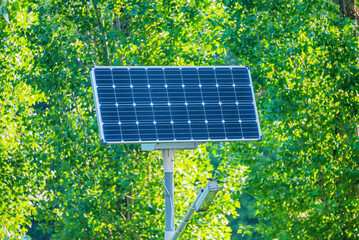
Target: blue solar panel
(175,104)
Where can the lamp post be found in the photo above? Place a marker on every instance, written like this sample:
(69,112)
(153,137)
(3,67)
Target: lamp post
(203,200)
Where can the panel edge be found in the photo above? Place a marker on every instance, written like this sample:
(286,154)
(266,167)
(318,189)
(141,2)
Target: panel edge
(97,104)
(255,105)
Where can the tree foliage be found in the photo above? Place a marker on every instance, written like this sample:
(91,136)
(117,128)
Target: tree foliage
(55,175)
(304,59)
(18,141)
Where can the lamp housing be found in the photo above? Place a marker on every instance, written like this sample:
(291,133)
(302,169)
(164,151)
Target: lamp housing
(207,195)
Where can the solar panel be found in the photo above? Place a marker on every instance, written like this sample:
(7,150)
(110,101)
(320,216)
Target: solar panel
(175,104)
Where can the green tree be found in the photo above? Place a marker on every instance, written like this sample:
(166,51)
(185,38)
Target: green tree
(19,187)
(304,60)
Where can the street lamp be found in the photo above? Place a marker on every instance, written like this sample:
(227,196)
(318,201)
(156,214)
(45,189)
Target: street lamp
(201,204)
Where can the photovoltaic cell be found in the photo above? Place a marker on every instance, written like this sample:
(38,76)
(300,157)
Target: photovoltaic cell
(175,104)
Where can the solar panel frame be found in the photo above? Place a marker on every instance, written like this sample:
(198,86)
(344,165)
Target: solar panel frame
(101,123)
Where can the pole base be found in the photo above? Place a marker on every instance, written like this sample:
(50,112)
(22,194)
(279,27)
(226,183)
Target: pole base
(169,235)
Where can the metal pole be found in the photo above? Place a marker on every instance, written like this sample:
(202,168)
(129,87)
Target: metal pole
(168,163)
(186,218)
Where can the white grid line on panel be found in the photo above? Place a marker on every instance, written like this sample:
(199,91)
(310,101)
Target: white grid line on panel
(153,112)
(169,105)
(186,104)
(118,113)
(235,94)
(220,105)
(134,106)
(203,103)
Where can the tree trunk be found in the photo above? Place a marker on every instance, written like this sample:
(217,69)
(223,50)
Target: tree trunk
(350,9)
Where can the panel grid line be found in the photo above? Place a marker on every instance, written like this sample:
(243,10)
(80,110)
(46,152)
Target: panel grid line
(185,98)
(235,94)
(220,105)
(153,112)
(203,104)
(118,113)
(169,105)
(134,106)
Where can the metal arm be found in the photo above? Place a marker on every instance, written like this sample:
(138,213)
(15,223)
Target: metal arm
(187,217)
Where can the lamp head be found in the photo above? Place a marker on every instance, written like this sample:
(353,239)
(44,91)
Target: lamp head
(207,195)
